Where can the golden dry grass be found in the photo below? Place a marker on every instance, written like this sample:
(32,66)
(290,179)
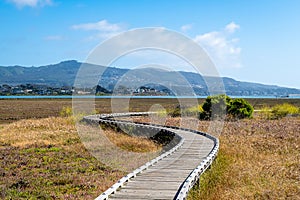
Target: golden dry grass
(45,131)
(129,143)
(265,159)
(45,158)
(258,159)
(50,131)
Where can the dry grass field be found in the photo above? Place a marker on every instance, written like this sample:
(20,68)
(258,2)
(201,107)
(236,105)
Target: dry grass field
(16,109)
(42,156)
(259,159)
(45,159)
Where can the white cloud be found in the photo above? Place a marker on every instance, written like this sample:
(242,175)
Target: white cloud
(186,27)
(53,37)
(102,25)
(104,28)
(221,47)
(100,36)
(232,27)
(31,3)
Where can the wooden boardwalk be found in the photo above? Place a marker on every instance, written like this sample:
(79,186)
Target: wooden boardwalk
(173,174)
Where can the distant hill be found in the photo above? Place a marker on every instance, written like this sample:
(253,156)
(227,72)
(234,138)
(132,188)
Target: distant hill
(56,75)
(64,73)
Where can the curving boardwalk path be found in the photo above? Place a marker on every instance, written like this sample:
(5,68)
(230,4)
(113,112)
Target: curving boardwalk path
(172,174)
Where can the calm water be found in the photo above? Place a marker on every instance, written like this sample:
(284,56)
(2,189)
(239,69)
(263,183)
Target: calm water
(134,97)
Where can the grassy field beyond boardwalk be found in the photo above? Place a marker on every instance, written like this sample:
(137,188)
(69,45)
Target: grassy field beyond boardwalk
(42,156)
(16,109)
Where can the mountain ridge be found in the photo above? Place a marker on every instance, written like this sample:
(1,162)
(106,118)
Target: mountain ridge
(64,74)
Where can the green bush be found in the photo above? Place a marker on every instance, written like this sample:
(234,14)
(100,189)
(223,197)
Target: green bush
(240,109)
(216,107)
(280,111)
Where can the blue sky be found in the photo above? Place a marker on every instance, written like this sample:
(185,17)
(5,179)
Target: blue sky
(255,40)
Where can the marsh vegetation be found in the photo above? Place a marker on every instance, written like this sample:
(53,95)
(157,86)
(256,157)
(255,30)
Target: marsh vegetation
(42,155)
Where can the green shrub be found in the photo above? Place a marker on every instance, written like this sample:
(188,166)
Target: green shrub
(280,111)
(240,109)
(216,107)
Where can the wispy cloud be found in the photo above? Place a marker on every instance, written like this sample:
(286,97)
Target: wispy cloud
(31,3)
(102,25)
(186,27)
(232,27)
(53,37)
(221,46)
(104,28)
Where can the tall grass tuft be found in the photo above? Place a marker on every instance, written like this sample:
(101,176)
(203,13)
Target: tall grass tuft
(66,112)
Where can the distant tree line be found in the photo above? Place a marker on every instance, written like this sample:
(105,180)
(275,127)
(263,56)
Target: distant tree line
(34,89)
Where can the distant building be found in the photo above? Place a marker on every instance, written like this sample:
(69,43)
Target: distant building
(17,90)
